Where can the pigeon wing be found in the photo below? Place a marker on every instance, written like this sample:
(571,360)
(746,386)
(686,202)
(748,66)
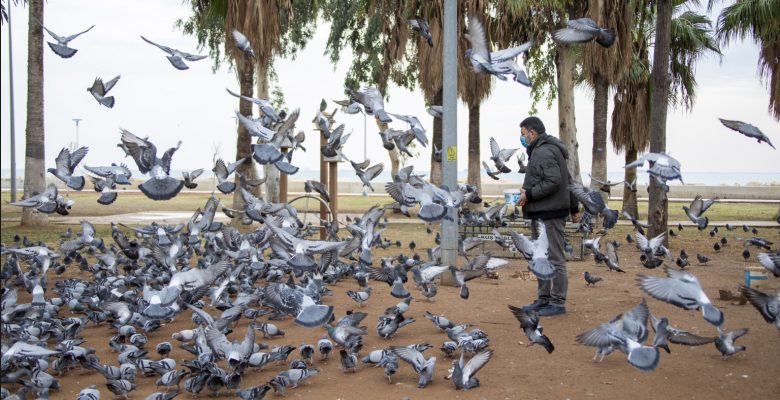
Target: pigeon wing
(159,46)
(478,38)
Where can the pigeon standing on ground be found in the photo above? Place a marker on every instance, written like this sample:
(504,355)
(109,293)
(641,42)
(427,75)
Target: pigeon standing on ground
(592,279)
(176,57)
(747,130)
(424,368)
(61,48)
(584,30)
(66,163)
(99,90)
(421,25)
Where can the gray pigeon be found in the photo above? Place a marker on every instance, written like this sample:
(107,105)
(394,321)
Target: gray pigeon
(697,207)
(223,172)
(683,290)
(415,126)
(46,202)
(484,61)
(463,374)
(99,90)
(176,57)
(61,48)
(190,176)
(500,156)
(368,174)
(106,189)
(120,174)
(592,279)
(265,106)
(535,252)
(766,304)
(421,25)
(529,323)
(594,204)
(372,101)
(770,261)
(726,341)
(66,163)
(662,167)
(160,185)
(243,44)
(424,368)
(435,111)
(490,172)
(584,30)
(747,130)
(314,186)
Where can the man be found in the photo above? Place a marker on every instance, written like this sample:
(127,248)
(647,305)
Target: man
(546,197)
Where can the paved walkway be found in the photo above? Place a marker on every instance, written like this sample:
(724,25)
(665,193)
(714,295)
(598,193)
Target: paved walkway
(176,217)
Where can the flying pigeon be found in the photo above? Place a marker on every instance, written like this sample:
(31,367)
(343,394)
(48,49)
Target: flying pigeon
(372,102)
(583,30)
(222,172)
(176,57)
(421,25)
(243,44)
(160,185)
(66,163)
(500,156)
(99,91)
(747,130)
(696,210)
(594,204)
(529,322)
(683,290)
(61,47)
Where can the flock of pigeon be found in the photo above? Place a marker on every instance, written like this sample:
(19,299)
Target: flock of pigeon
(219,276)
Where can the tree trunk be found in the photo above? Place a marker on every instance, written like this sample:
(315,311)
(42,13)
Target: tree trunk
(270,172)
(245,72)
(598,168)
(657,215)
(34,161)
(567,128)
(474,163)
(629,197)
(436,140)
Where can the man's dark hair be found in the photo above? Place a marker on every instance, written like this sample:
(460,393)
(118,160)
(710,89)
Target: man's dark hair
(533,123)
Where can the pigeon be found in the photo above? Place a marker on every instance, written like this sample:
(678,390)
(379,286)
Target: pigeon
(766,304)
(490,172)
(747,130)
(421,25)
(415,126)
(387,326)
(484,61)
(243,44)
(89,393)
(665,334)
(372,101)
(500,156)
(591,279)
(535,251)
(435,111)
(770,261)
(160,185)
(726,342)
(189,178)
(625,332)
(605,187)
(99,90)
(653,246)
(265,106)
(612,258)
(662,166)
(176,57)
(683,290)
(420,365)
(702,259)
(325,347)
(47,202)
(368,174)
(61,48)
(223,171)
(119,174)
(529,323)
(463,373)
(66,163)
(120,387)
(697,208)
(360,297)
(253,393)
(314,186)
(583,30)
(594,204)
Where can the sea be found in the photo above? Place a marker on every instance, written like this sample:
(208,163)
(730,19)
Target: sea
(691,178)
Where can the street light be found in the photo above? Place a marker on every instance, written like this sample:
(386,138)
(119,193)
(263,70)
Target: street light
(77,120)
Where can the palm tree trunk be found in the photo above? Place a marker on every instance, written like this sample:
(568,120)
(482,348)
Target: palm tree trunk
(271,173)
(245,72)
(474,177)
(436,140)
(567,129)
(598,167)
(34,161)
(629,197)
(657,214)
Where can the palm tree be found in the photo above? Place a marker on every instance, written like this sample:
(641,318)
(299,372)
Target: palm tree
(759,19)
(274,27)
(34,162)
(604,67)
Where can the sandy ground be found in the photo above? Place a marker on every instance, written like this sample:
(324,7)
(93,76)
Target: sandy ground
(517,371)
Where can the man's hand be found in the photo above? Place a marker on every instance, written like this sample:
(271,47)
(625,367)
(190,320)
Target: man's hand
(521,202)
(575,218)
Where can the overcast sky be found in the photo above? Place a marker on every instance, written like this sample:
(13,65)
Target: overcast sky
(154,99)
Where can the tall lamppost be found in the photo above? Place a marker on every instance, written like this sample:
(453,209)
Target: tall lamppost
(11,88)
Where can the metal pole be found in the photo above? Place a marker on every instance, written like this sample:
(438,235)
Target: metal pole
(324,180)
(77,120)
(365,151)
(11,88)
(449,226)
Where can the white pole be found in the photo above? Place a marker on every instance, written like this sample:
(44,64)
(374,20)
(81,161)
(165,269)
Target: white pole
(77,120)
(11,88)
(449,228)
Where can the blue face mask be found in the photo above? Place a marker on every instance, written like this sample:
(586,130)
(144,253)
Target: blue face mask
(523,142)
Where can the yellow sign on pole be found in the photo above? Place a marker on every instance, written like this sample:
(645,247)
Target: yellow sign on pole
(452,153)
